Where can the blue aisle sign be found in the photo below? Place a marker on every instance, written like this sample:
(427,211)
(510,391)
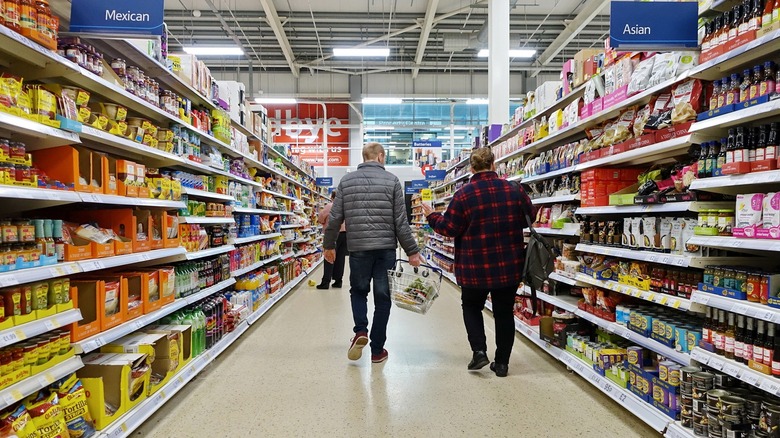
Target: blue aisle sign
(426,143)
(651,26)
(120,17)
(419,184)
(324,181)
(435,175)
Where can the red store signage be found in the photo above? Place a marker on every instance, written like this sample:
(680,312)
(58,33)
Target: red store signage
(300,126)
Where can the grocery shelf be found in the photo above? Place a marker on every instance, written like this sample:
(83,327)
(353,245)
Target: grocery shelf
(624,332)
(128,259)
(622,396)
(254,266)
(207,220)
(717,125)
(738,370)
(515,177)
(287,161)
(445,254)
(653,297)
(28,198)
(133,419)
(34,133)
(265,307)
(736,244)
(243,240)
(735,184)
(287,255)
(742,307)
(209,252)
(127,327)
(662,151)
(22,276)
(443,200)
(556,199)
(570,231)
(564,302)
(669,207)
(747,54)
(25,331)
(662,258)
(289,226)
(278,195)
(196,193)
(95,198)
(459,163)
(565,278)
(36,382)
(466,175)
(547,175)
(676,430)
(443,242)
(262,211)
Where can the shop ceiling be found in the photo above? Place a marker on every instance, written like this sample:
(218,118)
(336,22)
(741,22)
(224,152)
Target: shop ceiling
(299,36)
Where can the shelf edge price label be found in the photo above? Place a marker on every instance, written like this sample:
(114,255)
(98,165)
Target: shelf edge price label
(740,308)
(750,378)
(731,370)
(9,338)
(8,280)
(679,261)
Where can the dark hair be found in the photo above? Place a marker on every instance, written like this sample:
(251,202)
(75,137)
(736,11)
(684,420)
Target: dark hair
(333,195)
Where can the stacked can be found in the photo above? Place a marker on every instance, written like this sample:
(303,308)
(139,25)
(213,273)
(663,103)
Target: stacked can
(702,384)
(769,419)
(686,395)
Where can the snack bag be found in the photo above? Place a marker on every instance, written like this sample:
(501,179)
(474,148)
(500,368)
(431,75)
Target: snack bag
(686,98)
(17,423)
(47,416)
(73,400)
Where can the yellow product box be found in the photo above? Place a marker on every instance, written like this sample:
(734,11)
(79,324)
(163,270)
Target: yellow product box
(221,185)
(176,190)
(15,377)
(56,360)
(161,350)
(108,380)
(182,335)
(630,280)
(84,115)
(159,187)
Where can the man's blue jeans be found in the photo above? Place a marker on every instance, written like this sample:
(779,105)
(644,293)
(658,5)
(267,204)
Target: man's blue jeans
(366,266)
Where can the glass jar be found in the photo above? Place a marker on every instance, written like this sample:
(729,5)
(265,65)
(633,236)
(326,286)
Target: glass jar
(712,218)
(17,151)
(12,9)
(26,230)
(44,21)
(23,174)
(764,294)
(725,221)
(133,72)
(119,66)
(5,149)
(754,287)
(28,15)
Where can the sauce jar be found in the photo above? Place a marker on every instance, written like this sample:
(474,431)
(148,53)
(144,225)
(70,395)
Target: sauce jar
(28,15)
(12,14)
(26,230)
(119,66)
(5,149)
(44,21)
(764,294)
(17,151)
(725,222)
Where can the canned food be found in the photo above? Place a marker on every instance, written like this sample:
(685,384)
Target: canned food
(635,355)
(703,381)
(688,372)
(713,398)
(674,375)
(687,422)
(699,407)
(770,418)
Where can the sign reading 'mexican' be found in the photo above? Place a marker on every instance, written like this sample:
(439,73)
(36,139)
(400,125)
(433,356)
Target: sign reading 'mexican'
(119,17)
(653,26)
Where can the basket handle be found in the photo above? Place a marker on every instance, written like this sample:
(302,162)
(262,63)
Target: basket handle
(435,269)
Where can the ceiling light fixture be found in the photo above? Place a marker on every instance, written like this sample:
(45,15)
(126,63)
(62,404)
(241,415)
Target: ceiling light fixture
(213,51)
(380,128)
(520,53)
(362,52)
(477,101)
(380,137)
(382,100)
(277,101)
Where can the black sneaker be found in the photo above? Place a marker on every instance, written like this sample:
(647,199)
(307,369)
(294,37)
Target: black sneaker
(478,361)
(337,284)
(500,369)
(323,286)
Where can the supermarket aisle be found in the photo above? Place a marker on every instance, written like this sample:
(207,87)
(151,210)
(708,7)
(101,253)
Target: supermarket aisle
(289,376)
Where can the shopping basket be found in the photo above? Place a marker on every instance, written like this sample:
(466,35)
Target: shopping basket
(414,288)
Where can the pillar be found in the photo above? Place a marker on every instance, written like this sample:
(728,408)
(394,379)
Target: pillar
(498,62)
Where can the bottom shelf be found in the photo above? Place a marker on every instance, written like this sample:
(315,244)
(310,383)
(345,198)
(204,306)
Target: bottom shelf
(129,422)
(645,412)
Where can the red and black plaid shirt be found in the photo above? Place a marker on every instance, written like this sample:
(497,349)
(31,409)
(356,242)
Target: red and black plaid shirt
(486,217)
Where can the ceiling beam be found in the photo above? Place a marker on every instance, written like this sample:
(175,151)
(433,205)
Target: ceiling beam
(585,16)
(225,26)
(276,25)
(430,14)
(402,31)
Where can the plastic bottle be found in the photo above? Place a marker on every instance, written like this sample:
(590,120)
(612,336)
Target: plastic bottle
(731,148)
(59,242)
(761,143)
(732,96)
(706,329)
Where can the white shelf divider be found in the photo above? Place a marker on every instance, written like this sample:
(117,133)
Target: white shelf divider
(25,331)
(669,207)
(252,267)
(103,338)
(569,230)
(36,382)
(22,276)
(207,220)
(556,199)
(61,196)
(209,252)
(653,297)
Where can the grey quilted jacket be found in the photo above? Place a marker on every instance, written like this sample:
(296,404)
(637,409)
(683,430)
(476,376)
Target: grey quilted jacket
(371,202)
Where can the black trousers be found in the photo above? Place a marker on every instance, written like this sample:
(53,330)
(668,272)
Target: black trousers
(473,301)
(335,270)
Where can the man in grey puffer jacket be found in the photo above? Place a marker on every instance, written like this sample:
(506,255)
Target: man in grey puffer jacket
(371,202)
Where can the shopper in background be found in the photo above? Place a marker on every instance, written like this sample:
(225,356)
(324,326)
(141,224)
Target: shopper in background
(333,270)
(371,203)
(486,217)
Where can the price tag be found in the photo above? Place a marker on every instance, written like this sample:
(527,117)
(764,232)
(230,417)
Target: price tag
(731,370)
(679,261)
(92,266)
(123,427)
(627,334)
(750,378)
(8,280)
(9,338)
(162,395)
(664,300)
(92,198)
(650,297)
(651,258)
(736,243)
(622,397)
(99,342)
(608,387)
(676,304)
(50,324)
(770,316)
(57,271)
(770,386)
(665,260)
(740,308)
(717,364)
(8,399)
(702,298)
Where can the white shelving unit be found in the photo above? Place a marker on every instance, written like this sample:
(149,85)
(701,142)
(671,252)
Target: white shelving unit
(738,370)
(658,257)
(244,240)
(753,310)
(439,251)
(25,331)
(103,338)
(670,207)
(254,266)
(208,195)
(556,199)
(733,184)
(567,279)
(736,244)
(287,227)
(658,298)
(209,252)
(548,175)
(261,211)
(207,220)
(569,230)
(36,382)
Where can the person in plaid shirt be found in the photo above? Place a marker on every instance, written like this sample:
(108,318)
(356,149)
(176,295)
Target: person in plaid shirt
(486,217)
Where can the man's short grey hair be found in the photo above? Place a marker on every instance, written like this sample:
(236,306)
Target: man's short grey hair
(372,151)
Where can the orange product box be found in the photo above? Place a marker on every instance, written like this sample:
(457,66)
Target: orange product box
(167,284)
(170,230)
(109,175)
(135,285)
(123,246)
(125,176)
(112,303)
(140,179)
(134,225)
(85,295)
(81,249)
(100,250)
(68,164)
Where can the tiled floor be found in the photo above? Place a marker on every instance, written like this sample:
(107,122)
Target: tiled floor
(289,376)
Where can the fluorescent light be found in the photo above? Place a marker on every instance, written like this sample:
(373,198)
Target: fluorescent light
(383,100)
(520,53)
(381,137)
(477,101)
(362,52)
(214,50)
(279,101)
(379,128)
